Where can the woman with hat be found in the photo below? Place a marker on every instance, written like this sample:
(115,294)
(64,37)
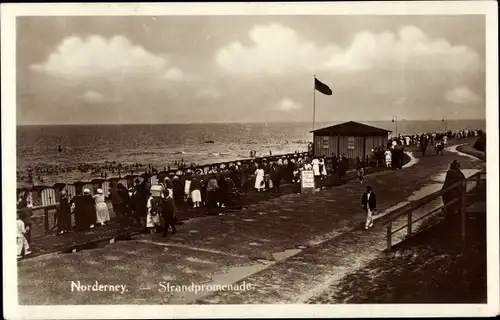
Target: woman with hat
(89,208)
(101,207)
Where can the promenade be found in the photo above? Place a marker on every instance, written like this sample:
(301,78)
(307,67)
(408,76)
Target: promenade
(290,248)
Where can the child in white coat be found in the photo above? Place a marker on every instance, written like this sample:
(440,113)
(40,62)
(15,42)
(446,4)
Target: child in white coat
(22,243)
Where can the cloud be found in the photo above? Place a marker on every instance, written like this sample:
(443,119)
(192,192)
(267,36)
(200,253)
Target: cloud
(410,48)
(275,49)
(92,96)
(174,74)
(279,49)
(77,57)
(286,104)
(462,95)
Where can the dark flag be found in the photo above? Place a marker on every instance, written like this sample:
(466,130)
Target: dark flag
(321,87)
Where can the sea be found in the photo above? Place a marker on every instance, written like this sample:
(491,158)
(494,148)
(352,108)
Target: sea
(163,144)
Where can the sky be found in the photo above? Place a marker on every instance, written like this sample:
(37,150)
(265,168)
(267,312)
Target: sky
(182,69)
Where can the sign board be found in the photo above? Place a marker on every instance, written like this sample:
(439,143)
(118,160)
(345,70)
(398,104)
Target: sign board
(325,143)
(307,181)
(350,144)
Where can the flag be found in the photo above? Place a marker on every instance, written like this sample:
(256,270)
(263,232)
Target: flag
(321,87)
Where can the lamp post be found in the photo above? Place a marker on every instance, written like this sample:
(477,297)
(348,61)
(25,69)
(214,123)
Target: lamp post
(395,119)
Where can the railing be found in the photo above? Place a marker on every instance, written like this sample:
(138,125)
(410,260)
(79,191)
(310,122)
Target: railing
(409,209)
(46,209)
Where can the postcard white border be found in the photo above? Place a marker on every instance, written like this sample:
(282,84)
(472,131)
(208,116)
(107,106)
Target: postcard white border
(8,33)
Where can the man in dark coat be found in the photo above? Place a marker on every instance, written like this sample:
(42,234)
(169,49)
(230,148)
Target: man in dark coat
(118,202)
(90,211)
(139,201)
(222,191)
(334,163)
(232,192)
(178,190)
(342,167)
(369,204)
(453,176)
(63,214)
(423,144)
(276,176)
(289,171)
(168,212)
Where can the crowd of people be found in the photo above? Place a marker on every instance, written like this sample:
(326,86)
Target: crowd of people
(215,186)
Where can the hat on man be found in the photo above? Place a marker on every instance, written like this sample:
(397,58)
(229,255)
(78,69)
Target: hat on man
(86,190)
(99,191)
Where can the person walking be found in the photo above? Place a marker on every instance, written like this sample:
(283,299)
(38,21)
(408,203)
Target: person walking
(90,217)
(315,167)
(168,213)
(63,214)
(118,202)
(360,169)
(423,145)
(342,168)
(195,188)
(222,191)
(25,215)
(79,211)
(212,187)
(388,158)
(22,242)
(154,209)
(139,200)
(369,204)
(101,207)
(453,176)
(334,163)
(322,168)
(259,179)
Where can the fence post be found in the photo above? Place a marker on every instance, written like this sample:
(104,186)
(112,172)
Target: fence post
(463,212)
(408,227)
(46,210)
(389,235)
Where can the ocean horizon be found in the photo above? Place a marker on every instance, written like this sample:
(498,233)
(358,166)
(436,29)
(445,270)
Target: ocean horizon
(162,144)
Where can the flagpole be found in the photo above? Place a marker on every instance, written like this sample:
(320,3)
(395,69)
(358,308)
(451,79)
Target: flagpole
(314,100)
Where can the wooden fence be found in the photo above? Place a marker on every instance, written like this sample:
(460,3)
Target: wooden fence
(465,199)
(43,195)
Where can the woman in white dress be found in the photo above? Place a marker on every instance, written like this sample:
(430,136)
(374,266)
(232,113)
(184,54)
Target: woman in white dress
(388,158)
(259,179)
(315,167)
(101,207)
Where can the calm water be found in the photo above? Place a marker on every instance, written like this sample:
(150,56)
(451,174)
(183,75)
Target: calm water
(163,144)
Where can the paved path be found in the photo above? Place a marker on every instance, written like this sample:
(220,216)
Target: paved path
(61,243)
(288,247)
